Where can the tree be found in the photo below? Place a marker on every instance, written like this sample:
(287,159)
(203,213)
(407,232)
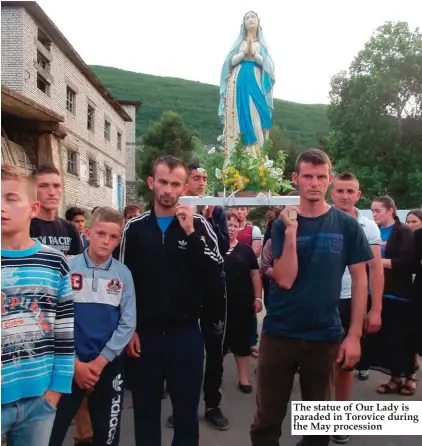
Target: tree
(281,142)
(168,136)
(376,115)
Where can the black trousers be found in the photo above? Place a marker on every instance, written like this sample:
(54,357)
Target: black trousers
(105,404)
(176,356)
(213,376)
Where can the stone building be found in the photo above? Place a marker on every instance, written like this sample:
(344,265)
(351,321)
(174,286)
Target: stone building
(131,108)
(57,111)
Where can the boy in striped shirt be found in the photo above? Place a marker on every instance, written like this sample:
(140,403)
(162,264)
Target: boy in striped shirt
(37,357)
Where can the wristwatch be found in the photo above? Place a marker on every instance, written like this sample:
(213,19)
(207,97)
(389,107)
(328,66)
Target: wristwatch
(258,299)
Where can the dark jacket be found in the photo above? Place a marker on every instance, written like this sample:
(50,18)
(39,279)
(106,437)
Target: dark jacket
(173,272)
(218,222)
(418,266)
(400,249)
(417,294)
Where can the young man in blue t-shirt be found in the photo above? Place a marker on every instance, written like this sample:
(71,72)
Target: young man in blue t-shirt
(105,320)
(311,247)
(37,353)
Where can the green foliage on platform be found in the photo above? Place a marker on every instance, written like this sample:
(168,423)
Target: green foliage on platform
(197,104)
(254,173)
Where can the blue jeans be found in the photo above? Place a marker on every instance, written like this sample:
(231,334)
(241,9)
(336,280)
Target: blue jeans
(177,356)
(28,421)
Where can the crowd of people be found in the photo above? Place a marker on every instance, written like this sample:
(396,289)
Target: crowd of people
(153,301)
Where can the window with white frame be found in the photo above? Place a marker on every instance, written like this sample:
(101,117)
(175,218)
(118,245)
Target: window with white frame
(107,127)
(42,62)
(90,118)
(108,177)
(44,39)
(72,162)
(70,100)
(119,141)
(43,84)
(92,172)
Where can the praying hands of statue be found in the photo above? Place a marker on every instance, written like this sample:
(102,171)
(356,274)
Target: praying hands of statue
(251,51)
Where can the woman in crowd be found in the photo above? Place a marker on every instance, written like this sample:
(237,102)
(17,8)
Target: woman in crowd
(417,294)
(391,350)
(414,219)
(244,291)
(266,256)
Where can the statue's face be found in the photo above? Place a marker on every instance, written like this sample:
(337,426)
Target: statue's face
(251,20)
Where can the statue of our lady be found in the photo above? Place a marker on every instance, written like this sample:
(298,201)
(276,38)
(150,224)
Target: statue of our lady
(246,88)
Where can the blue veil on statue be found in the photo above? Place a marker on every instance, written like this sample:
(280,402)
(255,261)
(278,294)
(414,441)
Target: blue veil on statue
(246,94)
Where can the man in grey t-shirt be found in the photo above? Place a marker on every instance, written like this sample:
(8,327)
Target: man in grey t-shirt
(345,193)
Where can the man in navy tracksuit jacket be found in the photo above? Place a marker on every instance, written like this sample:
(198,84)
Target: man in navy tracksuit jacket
(175,262)
(216,217)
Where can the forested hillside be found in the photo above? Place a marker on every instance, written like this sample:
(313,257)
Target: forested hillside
(197,104)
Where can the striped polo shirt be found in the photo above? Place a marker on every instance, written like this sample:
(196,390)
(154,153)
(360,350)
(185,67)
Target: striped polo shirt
(37,348)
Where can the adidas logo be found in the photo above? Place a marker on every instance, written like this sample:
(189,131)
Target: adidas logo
(182,244)
(218,327)
(117,382)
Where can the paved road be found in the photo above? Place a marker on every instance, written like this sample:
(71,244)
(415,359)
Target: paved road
(239,408)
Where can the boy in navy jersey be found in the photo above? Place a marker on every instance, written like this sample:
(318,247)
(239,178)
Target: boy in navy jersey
(105,319)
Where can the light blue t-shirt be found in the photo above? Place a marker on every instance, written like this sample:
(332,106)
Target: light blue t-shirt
(385,235)
(164,222)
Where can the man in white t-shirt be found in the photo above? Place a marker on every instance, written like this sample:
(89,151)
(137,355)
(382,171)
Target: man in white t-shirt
(345,194)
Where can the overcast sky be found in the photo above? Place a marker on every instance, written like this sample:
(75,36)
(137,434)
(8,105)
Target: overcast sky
(310,40)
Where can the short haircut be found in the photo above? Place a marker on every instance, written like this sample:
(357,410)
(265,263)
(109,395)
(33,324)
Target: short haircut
(73,212)
(313,156)
(45,169)
(15,173)
(107,215)
(171,162)
(231,214)
(131,208)
(346,176)
(193,166)
(388,203)
(416,212)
